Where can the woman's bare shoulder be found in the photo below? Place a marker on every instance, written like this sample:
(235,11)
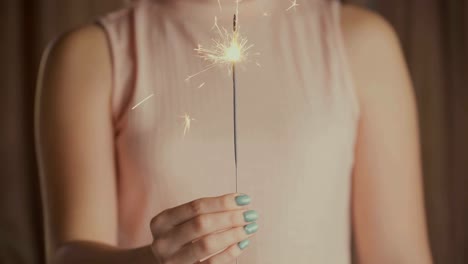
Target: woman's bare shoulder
(372,45)
(82,51)
(85,34)
(360,20)
(74,137)
(75,65)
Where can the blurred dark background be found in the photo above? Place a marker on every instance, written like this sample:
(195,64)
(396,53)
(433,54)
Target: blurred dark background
(434,36)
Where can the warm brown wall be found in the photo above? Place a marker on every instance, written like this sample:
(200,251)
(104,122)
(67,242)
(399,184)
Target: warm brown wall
(26,26)
(434,35)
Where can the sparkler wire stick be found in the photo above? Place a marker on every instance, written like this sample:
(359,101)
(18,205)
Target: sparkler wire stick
(234,98)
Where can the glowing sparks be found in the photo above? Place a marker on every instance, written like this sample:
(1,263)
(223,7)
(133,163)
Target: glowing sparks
(215,25)
(233,52)
(294,4)
(187,122)
(201,85)
(142,101)
(229,47)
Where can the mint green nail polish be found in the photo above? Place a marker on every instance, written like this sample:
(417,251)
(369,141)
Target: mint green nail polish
(250,215)
(251,228)
(242,199)
(243,244)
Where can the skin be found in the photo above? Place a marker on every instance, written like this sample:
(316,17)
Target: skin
(388,207)
(74,110)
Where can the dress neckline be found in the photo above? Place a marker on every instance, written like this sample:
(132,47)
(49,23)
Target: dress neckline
(224,10)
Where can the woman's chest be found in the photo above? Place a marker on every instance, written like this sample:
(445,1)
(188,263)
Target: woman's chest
(290,111)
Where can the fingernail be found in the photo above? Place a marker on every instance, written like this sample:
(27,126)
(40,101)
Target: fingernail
(250,215)
(243,244)
(242,199)
(251,228)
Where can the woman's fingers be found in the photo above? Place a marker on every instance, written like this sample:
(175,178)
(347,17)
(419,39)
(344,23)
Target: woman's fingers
(206,224)
(214,243)
(175,229)
(170,218)
(229,254)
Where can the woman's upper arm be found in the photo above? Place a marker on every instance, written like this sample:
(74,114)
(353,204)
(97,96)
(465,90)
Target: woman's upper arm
(388,208)
(74,137)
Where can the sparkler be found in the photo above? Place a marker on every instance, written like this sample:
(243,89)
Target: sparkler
(228,48)
(236,55)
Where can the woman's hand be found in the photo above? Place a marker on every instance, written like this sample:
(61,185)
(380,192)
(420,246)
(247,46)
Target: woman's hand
(196,230)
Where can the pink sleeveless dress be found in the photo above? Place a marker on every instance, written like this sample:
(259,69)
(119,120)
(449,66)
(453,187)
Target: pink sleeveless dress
(297,121)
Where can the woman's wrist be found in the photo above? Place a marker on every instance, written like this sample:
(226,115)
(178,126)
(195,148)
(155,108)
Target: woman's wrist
(143,255)
(80,252)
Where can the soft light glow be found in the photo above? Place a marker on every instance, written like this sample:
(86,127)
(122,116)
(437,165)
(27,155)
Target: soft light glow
(233,53)
(229,47)
(187,122)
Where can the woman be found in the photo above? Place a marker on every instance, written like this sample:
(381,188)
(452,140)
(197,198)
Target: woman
(327,139)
